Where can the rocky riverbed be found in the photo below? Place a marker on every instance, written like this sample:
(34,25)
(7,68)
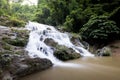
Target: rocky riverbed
(14,61)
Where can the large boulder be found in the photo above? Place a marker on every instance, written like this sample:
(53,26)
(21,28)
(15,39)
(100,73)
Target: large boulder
(105,51)
(63,53)
(17,66)
(30,65)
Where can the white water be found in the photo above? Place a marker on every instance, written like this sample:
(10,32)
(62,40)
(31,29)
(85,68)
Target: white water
(37,48)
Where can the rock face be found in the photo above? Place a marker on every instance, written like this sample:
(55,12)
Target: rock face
(30,65)
(17,66)
(14,60)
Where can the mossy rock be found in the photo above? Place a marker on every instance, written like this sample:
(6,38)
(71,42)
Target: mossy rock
(11,21)
(50,42)
(75,39)
(20,33)
(31,65)
(105,51)
(5,61)
(5,46)
(63,53)
(16,22)
(16,42)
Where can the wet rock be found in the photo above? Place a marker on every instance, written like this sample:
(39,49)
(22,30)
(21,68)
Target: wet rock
(7,76)
(105,51)
(14,59)
(5,61)
(63,53)
(86,45)
(30,65)
(50,42)
(76,40)
(21,66)
(48,28)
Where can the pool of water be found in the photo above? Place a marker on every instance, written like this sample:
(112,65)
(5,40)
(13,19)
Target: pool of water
(88,68)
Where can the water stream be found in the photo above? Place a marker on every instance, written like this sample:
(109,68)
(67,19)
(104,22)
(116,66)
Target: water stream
(37,47)
(91,68)
(85,68)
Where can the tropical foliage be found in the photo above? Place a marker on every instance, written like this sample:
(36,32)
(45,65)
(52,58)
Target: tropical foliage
(93,19)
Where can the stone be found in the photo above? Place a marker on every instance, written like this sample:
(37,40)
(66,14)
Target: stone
(13,57)
(30,65)
(63,53)
(50,42)
(105,51)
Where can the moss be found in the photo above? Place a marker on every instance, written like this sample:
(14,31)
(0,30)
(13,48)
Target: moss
(17,52)
(105,51)
(15,22)
(17,42)
(76,36)
(20,40)
(11,21)
(6,52)
(23,34)
(6,46)
(5,61)
(63,53)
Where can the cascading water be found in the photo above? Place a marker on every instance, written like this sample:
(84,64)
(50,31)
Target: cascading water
(37,48)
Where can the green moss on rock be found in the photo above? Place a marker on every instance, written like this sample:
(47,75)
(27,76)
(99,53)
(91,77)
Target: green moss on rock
(5,61)
(16,42)
(20,39)
(105,51)
(63,53)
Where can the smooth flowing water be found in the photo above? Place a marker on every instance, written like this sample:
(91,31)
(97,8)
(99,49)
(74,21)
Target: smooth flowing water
(96,68)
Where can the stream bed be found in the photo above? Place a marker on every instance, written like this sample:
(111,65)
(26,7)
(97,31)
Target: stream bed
(90,68)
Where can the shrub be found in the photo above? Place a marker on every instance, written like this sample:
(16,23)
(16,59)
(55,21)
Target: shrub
(14,22)
(99,29)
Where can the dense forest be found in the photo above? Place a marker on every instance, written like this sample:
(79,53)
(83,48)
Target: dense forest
(95,20)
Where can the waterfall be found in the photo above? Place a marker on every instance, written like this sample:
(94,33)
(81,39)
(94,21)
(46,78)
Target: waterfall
(37,47)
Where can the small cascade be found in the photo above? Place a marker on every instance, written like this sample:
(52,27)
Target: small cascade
(37,47)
